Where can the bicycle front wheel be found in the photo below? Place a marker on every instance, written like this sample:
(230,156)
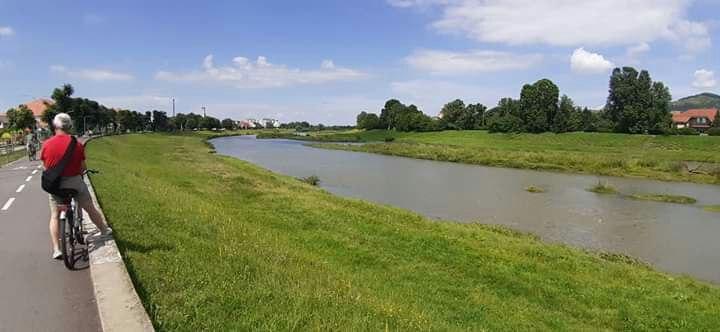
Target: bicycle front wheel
(67,242)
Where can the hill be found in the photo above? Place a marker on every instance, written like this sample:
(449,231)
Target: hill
(703,100)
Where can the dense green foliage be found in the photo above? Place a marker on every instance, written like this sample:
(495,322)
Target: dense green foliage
(636,104)
(20,118)
(656,157)
(456,115)
(217,244)
(703,100)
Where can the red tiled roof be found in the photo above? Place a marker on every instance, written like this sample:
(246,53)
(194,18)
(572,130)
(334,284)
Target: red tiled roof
(38,106)
(684,117)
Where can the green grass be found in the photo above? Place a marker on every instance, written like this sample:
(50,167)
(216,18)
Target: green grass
(712,208)
(13,156)
(218,244)
(535,189)
(644,156)
(602,187)
(664,198)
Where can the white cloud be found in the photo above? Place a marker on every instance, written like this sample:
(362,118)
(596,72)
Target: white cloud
(244,73)
(567,22)
(585,62)
(704,79)
(447,62)
(694,36)
(92,74)
(634,52)
(6,32)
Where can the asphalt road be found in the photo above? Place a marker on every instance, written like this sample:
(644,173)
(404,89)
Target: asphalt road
(37,293)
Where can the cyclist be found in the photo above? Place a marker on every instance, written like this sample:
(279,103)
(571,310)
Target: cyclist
(71,178)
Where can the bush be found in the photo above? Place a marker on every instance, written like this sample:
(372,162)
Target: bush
(683,131)
(312,180)
(715,131)
(389,139)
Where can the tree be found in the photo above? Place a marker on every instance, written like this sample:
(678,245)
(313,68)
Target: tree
(209,122)
(588,120)
(160,121)
(505,118)
(636,104)
(716,121)
(228,124)
(561,121)
(539,103)
(390,113)
(452,112)
(473,116)
(368,121)
(20,118)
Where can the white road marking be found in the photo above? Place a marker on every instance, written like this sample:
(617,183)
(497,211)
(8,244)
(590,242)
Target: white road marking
(19,168)
(39,166)
(34,172)
(28,178)
(8,203)
(22,186)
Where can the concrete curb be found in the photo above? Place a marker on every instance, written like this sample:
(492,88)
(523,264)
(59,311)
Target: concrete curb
(119,306)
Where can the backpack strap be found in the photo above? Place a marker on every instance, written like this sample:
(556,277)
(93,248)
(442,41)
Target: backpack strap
(66,157)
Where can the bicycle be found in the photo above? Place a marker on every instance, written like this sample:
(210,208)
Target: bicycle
(72,230)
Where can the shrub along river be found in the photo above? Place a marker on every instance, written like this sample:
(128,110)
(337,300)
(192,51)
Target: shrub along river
(682,239)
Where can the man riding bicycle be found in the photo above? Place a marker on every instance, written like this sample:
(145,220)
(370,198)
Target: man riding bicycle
(71,178)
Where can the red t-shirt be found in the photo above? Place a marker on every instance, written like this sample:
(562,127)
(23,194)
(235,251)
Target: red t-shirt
(53,151)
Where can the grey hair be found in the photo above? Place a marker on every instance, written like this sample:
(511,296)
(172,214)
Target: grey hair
(62,121)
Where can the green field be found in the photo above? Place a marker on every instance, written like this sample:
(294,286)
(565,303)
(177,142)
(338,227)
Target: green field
(214,243)
(655,157)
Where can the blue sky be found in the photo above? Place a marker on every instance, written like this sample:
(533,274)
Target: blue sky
(324,61)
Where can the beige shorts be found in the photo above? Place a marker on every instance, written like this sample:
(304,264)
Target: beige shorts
(71,182)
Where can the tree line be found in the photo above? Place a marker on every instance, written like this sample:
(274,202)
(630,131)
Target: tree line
(90,115)
(635,105)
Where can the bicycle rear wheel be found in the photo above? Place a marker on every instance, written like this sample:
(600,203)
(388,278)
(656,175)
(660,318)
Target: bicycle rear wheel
(67,241)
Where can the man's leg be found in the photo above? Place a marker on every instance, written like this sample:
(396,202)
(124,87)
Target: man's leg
(54,227)
(95,216)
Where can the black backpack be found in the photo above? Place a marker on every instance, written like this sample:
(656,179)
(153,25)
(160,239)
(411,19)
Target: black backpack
(51,177)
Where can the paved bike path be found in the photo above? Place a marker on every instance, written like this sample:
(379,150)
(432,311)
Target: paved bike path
(36,292)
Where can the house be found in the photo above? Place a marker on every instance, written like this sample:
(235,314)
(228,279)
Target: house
(246,124)
(698,119)
(270,123)
(37,107)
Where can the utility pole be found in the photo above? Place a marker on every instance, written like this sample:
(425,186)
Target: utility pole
(204,115)
(173,106)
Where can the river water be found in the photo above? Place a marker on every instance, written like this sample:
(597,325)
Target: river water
(681,239)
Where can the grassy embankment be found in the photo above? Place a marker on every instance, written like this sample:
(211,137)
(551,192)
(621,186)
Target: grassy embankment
(215,243)
(654,157)
(13,156)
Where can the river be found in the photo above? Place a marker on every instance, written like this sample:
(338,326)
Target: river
(680,239)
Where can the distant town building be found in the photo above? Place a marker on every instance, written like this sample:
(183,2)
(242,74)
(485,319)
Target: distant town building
(246,124)
(270,123)
(698,119)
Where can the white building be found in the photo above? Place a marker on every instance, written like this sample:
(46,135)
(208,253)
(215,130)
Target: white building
(270,123)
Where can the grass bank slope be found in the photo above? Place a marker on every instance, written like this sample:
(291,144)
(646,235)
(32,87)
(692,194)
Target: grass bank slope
(656,157)
(215,243)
